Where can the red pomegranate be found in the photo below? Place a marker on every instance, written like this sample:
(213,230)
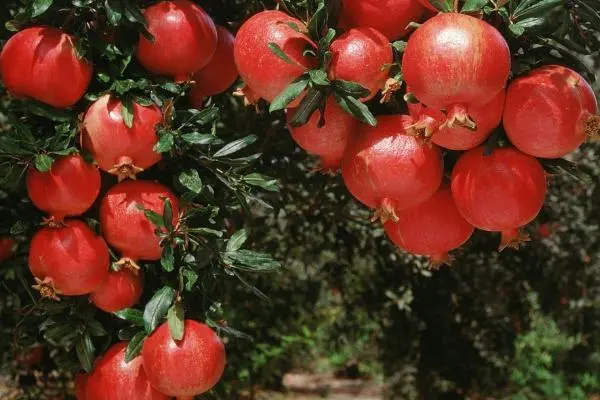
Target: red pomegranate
(389,170)
(427,4)
(390,17)
(69,260)
(430,123)
(362,55)
(117,149)
(188,367)
(126,227)
(329,141)
(456,62)
(41,63)
(500,192)
(265,73)
(550,112)
(69,188)
(115,379)
(31,356)
(121,289)
(433,228)
(81,386)
(219,74)
(185,39)
(7,248)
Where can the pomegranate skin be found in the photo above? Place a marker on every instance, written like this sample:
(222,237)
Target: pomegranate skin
(219,74)
(41,63)
(430,124)
(329,141)
(386,169)
(117,149)
(121,289)
(188,367)
(360,55)
(125,227)
(550,112)
(7,248)
(500,192)
(265,73)
(81,386)
(427,4)
(69,188)
(454,60)
(71,256)
(433,228)
(115,379)
(390,17)
(185,39)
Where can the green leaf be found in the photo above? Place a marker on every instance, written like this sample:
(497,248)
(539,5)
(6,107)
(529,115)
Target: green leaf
(43,162)
(191,277)
(536,9)
(175,319)
(167,214)
(85,351)
(165,143)
(349,88)
(167,258)
(114,11)
(132,315)
(236,146)
(319,77)
(133,13)
(318,21)
(127,111)
(95,328)
(157,308)
(355,108)
(275,49)
(171,87)
(39,7)
(127,333)
(289,94)
(313,100)
(399,46)
(190,179)
(43,110)
(135,346)
(200,138)
(262,181)
(248,260)
(152,216)
(442,5)
(237,240)
(474,5)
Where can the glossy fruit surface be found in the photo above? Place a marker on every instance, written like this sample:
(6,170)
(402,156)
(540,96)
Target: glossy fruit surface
(185,39)
(41,63)
(187,367)
(69,188)
(117,149)
(121,289)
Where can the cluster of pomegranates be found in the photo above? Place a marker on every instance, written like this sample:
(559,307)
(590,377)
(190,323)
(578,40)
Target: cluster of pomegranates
(458,68)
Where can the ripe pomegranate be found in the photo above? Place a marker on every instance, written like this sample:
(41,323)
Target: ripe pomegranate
(69,188)
(117,149)
(201,352)
(7,248)
(126,227)
(386,169)
(121,289)
(185,39)
(265,73)
(427,4)
(219,74)
(41,63)
(362,55)
(329,141)
(115,379)
(390,17)
(69,260)
(81,386)
(31,356)
(500,192)
(456,62)
(430,123)
(432,228)
(550,112)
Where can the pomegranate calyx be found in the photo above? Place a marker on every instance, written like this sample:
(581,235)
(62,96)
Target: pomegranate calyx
(329,166)
(514,239)
(436,261)
(458,116)
(128,264)
(386,212)
(250,99)
(46,288)
(391,86)
(54,221)
(592,127)
(125,169)
(424,128)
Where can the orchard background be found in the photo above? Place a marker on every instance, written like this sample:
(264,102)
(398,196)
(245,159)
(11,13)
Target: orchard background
(287,267)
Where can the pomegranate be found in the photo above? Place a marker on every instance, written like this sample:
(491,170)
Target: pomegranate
(81,386)
(7,248)
(390,17)
(185,39)
(432,228)
(121,289)
(41,63)
(386,169)
(69,260)
(430,123)
(117,149)
(115,379)
(265,73)
(362,55)
(427,4)
(69,188)
(126,227)
(329,141)
(31,356)
(500,192)
(219,74)
(456,62)
(188,367)
(550,112)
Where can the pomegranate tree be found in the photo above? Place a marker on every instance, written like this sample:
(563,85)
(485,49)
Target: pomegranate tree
(550,112)
(500,192)
(118,149)
(121,289)
(41,63)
